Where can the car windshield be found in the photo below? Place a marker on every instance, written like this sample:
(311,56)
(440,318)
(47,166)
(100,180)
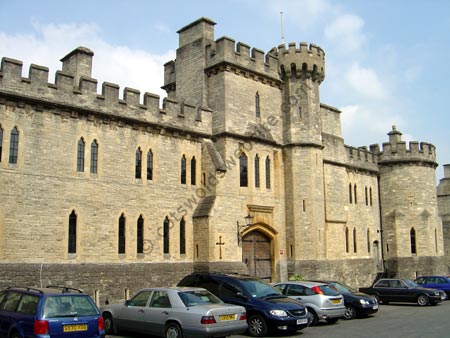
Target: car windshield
(409,283)
(69,306)
(342,288)
(260,289)
(193,298)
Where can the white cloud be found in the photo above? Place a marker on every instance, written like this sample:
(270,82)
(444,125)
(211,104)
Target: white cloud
(346,33)
(126,67)
(365,82)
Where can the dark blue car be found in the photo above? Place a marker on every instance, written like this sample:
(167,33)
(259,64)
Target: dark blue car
(435,282)
(51,312)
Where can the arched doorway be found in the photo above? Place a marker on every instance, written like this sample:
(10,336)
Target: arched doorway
(256,254)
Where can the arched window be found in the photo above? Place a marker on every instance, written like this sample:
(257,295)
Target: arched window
(350,193)
(122,234)
(1,142)
(368,241)
(193,170)
(150,165)
(72,247)
(243,170)
(14,146)
(267,172)
(257,106)
(140,235)
(346,240)
(355,195)
(80,155)
(166,235)
(183,170)
(138,165)
(257,171)
(94,157)
(182,236)
(412,237)
(354,241)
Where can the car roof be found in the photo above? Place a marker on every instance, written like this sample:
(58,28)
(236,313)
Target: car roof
(304,283)
(233,275)
(49,290)
(174,288)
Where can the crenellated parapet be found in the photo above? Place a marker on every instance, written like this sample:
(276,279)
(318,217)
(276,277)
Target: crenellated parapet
(225,55)
(361,158)
(305,61)
(74,90)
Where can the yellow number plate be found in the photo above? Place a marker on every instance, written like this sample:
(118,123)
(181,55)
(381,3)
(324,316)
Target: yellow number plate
(336,301)
(228,317)
(75,327)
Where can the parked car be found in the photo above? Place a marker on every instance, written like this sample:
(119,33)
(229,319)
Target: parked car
(403,290)
(435,282)
(357,304)
(267,309)
(322,301)
(49,312)
(175,312)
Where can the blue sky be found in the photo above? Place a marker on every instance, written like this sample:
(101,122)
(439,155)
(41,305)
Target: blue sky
(387,61)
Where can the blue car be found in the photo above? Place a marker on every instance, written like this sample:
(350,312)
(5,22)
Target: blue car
(52,312)
(435,282)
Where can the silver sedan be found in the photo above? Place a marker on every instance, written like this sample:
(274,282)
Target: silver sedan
(175,312)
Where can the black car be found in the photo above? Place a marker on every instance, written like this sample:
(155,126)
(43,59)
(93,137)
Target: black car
(357,304)
(266,307)
(388,290)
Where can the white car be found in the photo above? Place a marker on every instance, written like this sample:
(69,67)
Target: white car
(175,312)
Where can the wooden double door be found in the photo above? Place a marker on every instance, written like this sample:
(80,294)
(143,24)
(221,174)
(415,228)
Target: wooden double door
(256,254)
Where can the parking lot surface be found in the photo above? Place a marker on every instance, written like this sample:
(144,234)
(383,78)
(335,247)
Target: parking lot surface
(391,321)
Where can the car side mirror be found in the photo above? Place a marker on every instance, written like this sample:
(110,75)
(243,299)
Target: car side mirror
(241,295)
(127,302)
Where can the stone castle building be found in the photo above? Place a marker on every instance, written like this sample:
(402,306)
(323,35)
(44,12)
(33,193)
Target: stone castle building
(242,169)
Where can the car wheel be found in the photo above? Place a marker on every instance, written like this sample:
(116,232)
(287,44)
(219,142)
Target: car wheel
(173,330)
(332,320)
(312,317)
(109,323)
(257,326)
(423,300)
(350,312)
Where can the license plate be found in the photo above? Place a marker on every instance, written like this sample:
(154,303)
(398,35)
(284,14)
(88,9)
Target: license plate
(335,301)
(227,317)
(375,307)
(75,327)
(302,321)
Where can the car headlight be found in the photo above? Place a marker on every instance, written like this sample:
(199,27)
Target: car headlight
(364,302)
(278,313)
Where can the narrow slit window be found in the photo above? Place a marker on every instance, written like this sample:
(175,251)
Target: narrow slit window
(243,170)
(346,240)
(166,235)
(150,165)
(412,236)
(183,170)
(355,195)
(268,173)
(193,170)
(257,171)
(72,233)
(350,193)
(370,196)
(355,249)
(140,235)
(366,196)
(257,105)
(182,236)
(14,146)
(121,234)
(94,157)
(80,155)
(1,143)
(138,164)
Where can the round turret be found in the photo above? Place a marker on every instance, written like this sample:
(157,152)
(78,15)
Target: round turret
(306,62)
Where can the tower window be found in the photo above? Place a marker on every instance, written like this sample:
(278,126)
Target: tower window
(150,165)
(72,233)
(350,193)
(243,170)
(267,172)
(368,240)
(412,237)
(193,170)
(138,164)
(257,106)
(370,196)
(122,234)
(346,241)
(183,170)
(355,195)
(366,196)
(257,171)
(80,155)
(166,235)
(94,157)
(140,235)
(354,241)
(1,143)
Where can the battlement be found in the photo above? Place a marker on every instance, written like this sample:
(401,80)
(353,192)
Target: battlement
(74,90)
(225,52)
(361,158)
(304,61)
